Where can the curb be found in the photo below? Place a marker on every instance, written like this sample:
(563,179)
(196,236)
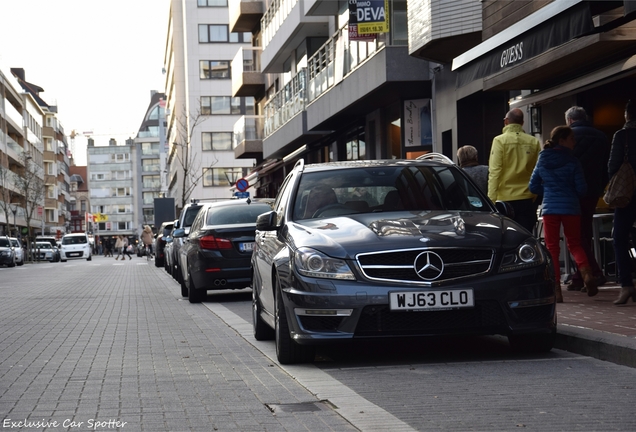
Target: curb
(600,345)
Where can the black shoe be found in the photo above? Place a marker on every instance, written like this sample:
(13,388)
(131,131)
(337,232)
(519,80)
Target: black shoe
(575,285)
(601,280)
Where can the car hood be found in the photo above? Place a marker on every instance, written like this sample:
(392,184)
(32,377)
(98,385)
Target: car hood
(346,236)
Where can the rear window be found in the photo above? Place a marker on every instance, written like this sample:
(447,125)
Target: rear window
(74,240)
(239,214)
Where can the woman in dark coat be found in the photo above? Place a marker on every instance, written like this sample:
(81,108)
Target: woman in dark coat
(625,217)
(558,176)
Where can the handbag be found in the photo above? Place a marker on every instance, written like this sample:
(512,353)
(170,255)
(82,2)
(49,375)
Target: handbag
(622,185)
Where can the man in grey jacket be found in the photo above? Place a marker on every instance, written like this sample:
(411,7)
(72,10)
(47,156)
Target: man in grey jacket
(592,150)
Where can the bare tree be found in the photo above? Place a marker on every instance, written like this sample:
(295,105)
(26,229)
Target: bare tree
(189,162)
(30,185)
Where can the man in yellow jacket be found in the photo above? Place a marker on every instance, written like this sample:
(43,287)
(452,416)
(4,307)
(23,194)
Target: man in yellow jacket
(513,156)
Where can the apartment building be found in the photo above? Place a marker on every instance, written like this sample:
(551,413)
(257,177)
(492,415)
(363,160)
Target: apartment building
(21,158)
(55,161)
(79,206)
(151,151)
(201,111)
(327,93)
(111,173)
(540,56)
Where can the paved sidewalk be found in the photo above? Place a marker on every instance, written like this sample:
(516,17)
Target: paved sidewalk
(596,327)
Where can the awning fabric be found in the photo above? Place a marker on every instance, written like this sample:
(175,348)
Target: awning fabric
(558,30)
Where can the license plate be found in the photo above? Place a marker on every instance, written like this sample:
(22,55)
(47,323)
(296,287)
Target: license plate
(431,300)
(75,254)
(246,247)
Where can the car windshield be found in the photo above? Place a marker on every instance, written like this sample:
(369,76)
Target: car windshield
(4,242)
(384,189)
(15,243)
(74,240)
(43,245)
(236,214)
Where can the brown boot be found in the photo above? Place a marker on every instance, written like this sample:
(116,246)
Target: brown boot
(591,283)
(557,292)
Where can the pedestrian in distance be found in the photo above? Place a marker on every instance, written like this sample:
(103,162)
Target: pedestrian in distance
(119,244)
(625,217)
(513,156)
(558,177)
(467,158)
(125,250)
(108,247)
(592,150)
(147,237)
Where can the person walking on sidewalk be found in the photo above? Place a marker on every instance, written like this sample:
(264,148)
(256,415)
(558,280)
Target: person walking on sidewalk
(513,156)
(592,150)
(467,157)
(559,177)
(625,217)
(147,237)
(121,245)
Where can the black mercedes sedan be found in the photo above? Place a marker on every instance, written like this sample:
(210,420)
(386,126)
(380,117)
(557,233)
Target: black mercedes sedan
(217,251)
(394,248)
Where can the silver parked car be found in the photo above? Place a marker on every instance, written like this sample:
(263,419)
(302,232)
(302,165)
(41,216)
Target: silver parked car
(17,249)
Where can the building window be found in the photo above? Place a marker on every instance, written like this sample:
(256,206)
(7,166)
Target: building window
(121,175)
(149,197)
(214,105)
(222,176)
(121,209)
(151,181)
(50,215)
(214,69)
(122,226)
(221,141)
(149,214)
(214,33)
(150,148)
(122,191)
(150,165)
(211,3)
(83,206)
(120,157)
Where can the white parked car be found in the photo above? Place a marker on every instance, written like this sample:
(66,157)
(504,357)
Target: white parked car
(75,246)
(17,248)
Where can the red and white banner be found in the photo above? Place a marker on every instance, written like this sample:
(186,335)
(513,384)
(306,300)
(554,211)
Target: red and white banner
(89,218)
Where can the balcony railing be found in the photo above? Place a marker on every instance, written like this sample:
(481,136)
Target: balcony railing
(247,128)
(321,66)
(285,104)
(276,13)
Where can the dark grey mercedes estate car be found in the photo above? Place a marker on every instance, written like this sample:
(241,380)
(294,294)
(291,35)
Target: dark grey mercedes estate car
(394,248)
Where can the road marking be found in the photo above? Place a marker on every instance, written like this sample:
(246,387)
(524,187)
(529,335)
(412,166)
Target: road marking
(352,407)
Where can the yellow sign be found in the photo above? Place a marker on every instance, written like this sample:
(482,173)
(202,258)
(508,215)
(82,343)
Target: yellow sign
(372,16)
(100,217)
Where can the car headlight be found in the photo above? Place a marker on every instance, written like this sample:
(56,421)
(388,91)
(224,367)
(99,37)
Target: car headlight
(310,262)
(528,254)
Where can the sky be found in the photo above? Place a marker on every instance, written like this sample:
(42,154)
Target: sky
(97,61)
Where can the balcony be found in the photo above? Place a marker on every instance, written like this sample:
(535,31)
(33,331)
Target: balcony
(285,104)
(285,26)
(245,15)
(247,139)
(14,150)
(14,118)
(247,79)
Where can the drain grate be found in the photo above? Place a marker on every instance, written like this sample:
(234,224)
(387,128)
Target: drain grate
(323,405)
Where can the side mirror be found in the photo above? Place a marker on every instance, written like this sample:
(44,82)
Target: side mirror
(178,233)
(505,209)
(266,221)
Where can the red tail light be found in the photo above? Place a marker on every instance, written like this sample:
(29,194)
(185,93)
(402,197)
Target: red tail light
(211,242)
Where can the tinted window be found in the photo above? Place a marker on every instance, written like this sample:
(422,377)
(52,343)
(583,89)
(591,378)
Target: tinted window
(379,189)
(239,214)
(167,230)
(74,240)
(4,242)
(191,213)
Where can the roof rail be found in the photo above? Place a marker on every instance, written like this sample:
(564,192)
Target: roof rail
(436,157)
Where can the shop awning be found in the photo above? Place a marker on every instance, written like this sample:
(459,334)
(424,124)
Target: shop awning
(550,27)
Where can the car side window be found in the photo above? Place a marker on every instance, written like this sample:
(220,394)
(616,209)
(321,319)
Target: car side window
(282,199)
(197,223)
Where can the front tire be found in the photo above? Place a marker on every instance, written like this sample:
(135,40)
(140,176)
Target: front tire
(287,350)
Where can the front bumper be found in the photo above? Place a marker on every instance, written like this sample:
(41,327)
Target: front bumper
(515,303)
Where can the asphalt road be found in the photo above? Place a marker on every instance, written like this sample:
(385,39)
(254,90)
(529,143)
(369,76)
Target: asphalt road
(114,341)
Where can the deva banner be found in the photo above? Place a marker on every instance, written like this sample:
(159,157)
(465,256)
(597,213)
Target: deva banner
(371,16)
